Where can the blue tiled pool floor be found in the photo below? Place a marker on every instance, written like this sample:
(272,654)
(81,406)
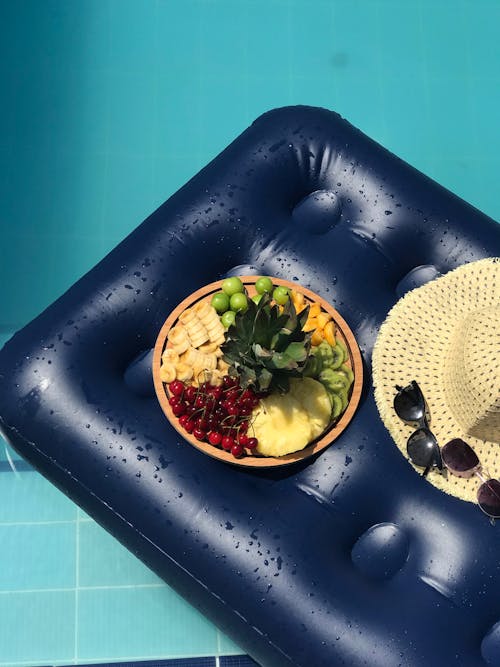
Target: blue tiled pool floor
(108,107)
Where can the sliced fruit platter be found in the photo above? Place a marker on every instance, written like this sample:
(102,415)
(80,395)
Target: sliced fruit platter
(257,371)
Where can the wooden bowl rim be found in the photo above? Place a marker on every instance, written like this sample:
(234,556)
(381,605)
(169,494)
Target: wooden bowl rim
(250,461)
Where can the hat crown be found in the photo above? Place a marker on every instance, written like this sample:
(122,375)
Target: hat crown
(471,374)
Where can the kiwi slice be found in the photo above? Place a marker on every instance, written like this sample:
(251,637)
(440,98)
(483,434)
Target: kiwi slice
(348,373)
(338,357)
(336,405)
(338,382)
(345,353)
(343,397)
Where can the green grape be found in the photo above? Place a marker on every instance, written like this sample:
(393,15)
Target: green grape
(264,284)
(220,301)
(232,286)
(280,295)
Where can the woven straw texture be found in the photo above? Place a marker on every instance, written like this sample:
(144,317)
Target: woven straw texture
(446,336)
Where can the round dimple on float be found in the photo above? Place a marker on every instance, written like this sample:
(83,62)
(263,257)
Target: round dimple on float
(381,551)
(416,277)
(490,646)
(318,212)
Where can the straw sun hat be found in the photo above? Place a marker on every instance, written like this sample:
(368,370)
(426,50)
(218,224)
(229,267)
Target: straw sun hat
(446,336)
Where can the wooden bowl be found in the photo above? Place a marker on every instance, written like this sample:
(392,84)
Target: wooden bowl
(256,461)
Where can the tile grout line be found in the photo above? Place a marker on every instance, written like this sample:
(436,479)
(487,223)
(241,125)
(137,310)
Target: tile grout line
(104,661)
(77,582)
(118,587)
(60,522)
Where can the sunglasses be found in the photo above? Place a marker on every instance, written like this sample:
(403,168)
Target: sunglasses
(422,446)
(457,456)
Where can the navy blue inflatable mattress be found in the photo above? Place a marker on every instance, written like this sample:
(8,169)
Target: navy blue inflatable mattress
(347,558)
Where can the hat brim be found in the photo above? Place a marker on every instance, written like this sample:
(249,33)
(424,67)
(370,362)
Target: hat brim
(413,343)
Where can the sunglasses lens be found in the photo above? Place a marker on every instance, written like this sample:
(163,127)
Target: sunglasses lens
(488,498)
(460,458)
(423,449)
(409,403)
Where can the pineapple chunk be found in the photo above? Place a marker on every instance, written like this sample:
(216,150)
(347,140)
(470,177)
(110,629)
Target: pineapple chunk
(287,423)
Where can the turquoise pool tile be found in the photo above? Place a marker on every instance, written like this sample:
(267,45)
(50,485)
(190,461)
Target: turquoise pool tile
(105,562)
(45,273)
(75,181)
(131,120)
(132,28)
(29,498)
(140,622)
(44,624)
(487,193)
(218,95)
(400,32)
(129,191)
(361,55)
(4,337)
(485,114)
(264,39)
(449,129)
(230,57)
(352,97)
(481,21)
(443,32)
(74,111)
(178,105)
(38,557)
(317,29)
(459,176)
(265,92)
(227,646)
(8,455)
(178,36)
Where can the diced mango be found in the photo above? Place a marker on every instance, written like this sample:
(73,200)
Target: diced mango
(314,310)
(323,319)
(317,337)
(298,300)
(329,333)
(311,324)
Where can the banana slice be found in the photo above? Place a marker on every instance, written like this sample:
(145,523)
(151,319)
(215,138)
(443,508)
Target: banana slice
(204,310)
(209,362)
(222,366)
(167,372)
(178,338)
(170,356)
(208,348)
(188,316)
(183,371)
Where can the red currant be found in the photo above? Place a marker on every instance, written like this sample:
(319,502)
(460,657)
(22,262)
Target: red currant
(190,394)
(201,422)
(237,451)
(176,387)
(189,426)
(174,400)
(227,442)
(216,392)
(199,433)
(183,419)
(215,438)
(179,409)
